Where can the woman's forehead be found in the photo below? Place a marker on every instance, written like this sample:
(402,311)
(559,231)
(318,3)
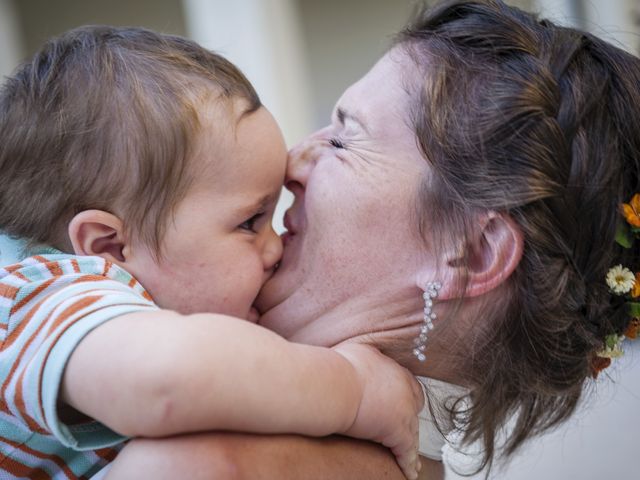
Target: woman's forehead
(381,92)
(382,103)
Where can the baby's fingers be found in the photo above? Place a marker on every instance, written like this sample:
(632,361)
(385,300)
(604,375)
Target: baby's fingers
(406,452)
(408,462)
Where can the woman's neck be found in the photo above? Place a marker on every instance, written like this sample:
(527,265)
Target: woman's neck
(388,321)
(314,320)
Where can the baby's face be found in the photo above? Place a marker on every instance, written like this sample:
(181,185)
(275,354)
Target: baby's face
(221,248)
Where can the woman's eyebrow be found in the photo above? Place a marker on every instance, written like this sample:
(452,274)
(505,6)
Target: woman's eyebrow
(342,115)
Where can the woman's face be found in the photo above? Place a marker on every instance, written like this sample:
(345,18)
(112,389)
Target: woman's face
(352,251)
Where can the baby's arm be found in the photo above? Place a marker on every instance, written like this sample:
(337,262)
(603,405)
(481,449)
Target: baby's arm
(161,373)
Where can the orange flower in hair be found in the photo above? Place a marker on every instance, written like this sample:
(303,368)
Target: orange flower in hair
(623,283)
(635,291)
(633,330)
(598,364)
(631,211)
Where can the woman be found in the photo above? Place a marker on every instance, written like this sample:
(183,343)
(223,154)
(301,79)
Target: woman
(487,152)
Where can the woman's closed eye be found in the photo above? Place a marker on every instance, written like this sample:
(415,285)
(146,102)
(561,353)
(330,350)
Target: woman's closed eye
(336,143)
(250,223)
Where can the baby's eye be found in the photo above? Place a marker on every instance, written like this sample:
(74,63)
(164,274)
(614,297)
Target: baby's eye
(336,143)
(250,223)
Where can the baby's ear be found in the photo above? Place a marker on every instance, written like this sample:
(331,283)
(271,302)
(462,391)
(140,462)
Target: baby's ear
(98,233)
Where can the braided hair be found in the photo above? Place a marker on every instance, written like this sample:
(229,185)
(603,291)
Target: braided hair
(542,123)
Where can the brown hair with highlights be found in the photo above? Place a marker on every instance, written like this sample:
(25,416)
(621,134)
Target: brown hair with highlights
(105,118)
(541,123)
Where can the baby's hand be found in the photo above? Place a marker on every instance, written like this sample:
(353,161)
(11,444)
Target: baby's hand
(389,407)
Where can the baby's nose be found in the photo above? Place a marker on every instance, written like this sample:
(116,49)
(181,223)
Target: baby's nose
(272,252)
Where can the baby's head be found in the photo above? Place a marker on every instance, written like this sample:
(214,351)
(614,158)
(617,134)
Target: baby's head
(150,151)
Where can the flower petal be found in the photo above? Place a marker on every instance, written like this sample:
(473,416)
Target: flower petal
(635,291)
(633,329)
(598,364)
(630,215)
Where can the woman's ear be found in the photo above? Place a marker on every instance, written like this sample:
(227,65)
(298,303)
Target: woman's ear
(98,233)
(493,253)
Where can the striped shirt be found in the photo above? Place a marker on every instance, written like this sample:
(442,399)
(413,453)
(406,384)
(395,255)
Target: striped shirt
(48,303)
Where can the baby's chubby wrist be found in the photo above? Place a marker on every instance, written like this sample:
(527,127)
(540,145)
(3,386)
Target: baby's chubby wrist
(389,401)
(353,355)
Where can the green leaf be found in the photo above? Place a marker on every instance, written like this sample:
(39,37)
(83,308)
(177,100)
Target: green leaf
(611,340)
(623,235)
(634,309)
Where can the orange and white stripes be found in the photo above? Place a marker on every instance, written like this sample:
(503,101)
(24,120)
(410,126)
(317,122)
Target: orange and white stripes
(48,303)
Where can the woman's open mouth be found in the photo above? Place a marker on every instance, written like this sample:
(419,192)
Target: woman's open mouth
(286,238)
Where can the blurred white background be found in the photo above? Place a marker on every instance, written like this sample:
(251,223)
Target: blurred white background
(300,55)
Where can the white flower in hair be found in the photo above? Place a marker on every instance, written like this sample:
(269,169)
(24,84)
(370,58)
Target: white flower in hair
(620,279)
(612,346)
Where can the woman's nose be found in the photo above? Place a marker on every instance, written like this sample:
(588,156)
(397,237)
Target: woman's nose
(303,157)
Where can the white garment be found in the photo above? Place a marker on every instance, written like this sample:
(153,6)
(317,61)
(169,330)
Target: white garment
(431,431)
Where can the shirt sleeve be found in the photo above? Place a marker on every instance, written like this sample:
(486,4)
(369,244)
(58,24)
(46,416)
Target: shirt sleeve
(39,347)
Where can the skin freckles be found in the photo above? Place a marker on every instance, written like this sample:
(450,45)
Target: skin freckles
(352,249)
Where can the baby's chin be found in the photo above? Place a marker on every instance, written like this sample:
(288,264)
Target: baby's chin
(274,291)
(265,301)
(253,316)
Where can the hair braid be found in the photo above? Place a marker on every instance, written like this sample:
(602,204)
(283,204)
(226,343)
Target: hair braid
(540,122)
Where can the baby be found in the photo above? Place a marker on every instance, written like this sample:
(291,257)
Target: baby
(143,173)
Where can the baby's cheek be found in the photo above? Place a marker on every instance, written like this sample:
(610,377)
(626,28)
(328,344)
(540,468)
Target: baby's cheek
(253,279)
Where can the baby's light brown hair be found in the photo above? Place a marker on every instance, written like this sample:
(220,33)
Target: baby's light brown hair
(106,118)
